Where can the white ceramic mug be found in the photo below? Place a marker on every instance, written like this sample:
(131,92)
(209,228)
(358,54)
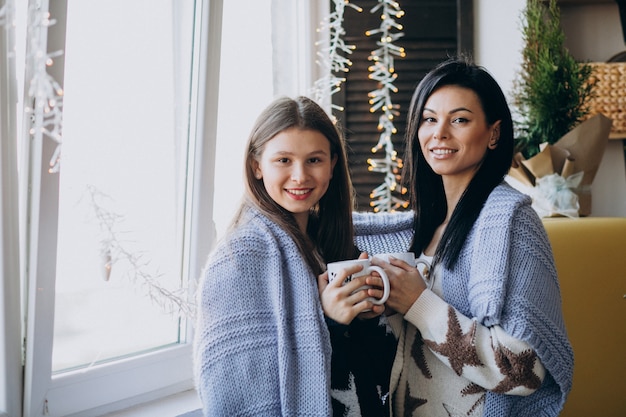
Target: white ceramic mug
(408,257)
(335,268)
(422,265)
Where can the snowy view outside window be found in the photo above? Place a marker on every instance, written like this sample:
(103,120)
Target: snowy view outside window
(122,194)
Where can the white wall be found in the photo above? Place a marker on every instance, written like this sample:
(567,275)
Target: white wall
(497,38)
(264,55)
(593,33)
(245,89)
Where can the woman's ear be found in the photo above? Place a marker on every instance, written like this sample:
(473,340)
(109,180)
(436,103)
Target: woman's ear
(495,135)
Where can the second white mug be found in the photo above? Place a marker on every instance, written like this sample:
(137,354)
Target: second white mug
(408,257)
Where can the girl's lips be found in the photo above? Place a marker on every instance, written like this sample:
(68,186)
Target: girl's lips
(300,193)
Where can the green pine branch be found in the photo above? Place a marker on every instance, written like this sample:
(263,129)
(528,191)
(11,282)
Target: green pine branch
(551,92)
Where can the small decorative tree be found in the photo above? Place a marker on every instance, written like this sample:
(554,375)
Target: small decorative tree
(552,92)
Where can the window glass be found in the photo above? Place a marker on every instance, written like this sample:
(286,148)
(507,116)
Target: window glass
(122,183)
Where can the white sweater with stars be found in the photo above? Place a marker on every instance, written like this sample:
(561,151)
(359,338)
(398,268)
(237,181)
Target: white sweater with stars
(490,340)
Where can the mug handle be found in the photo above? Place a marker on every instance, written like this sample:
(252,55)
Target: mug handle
(424,271)
(385,279)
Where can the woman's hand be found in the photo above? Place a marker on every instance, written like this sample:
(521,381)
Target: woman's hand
(406,283)
(343,303)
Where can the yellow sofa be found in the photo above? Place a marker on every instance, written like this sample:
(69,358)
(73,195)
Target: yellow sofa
(590,256)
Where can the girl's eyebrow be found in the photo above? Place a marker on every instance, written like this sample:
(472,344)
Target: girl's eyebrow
(288,153)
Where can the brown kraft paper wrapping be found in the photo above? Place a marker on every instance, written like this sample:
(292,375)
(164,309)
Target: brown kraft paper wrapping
(581,149)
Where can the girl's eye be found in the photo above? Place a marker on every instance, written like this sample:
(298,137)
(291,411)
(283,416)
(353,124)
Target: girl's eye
(314,160)
(283,160)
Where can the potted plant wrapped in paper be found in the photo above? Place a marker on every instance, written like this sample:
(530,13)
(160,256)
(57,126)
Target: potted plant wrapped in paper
(557,153)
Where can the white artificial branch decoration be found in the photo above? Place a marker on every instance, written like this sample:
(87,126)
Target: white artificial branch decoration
(45,94)
(114,250)
(333,59)
(5,15)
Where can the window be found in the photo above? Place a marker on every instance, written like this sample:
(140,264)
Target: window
(111,240)
(129,213)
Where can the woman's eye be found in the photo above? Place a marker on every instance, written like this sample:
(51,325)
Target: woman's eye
(429,119)
(460,120)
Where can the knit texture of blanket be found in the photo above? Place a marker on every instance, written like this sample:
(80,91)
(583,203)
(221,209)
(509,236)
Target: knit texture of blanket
(262,347)
(505,276)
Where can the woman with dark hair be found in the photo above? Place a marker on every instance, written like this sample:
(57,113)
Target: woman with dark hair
(480,331)
(262,345)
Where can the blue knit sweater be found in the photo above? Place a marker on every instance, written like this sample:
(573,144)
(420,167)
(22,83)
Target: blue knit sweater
(505,276)
(262,346)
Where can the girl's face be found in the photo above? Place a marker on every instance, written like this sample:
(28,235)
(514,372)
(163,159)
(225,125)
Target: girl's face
(454,135)
(296,167)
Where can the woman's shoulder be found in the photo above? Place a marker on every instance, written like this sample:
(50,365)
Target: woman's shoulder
(383,232)
(505,194)
(504,202)
(507,208)
(387,222)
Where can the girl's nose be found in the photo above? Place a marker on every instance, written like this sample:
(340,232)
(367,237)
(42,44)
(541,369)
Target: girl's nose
(298,173)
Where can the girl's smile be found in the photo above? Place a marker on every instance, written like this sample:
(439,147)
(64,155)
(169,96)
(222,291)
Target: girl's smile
(296,167)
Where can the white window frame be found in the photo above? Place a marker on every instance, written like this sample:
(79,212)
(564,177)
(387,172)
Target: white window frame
(110,387)
(26,380)
(10,316)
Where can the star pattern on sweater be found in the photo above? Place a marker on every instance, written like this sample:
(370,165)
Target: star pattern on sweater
(411,403)
(473,389)
(348,398)
(459,348)
(517,369)
(417,353)
(452,412)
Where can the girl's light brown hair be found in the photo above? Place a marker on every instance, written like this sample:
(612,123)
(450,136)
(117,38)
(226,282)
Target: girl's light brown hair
(330,232)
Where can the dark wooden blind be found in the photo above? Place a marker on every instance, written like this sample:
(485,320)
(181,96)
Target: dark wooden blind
(433,30)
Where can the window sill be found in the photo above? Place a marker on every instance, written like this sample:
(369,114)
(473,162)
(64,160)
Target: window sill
(184,404)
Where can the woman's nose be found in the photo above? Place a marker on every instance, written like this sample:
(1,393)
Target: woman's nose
(440,132)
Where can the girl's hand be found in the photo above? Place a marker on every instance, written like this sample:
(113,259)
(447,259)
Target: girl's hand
(343,303)
(406,283)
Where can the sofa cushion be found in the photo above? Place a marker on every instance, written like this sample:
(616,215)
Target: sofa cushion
(590,256)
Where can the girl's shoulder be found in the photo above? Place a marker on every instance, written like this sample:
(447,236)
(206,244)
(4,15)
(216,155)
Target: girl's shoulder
(254,235)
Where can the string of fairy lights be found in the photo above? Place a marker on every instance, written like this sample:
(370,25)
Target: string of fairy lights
(385,196)
(335,63)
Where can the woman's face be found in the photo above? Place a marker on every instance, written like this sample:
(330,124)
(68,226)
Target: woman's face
(454,135)
(296,167)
